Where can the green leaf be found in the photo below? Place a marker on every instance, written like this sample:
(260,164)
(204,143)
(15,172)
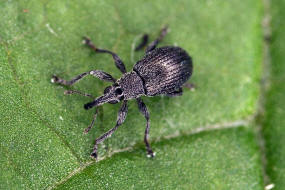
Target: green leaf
(42,140)
(32,153)
(274,124)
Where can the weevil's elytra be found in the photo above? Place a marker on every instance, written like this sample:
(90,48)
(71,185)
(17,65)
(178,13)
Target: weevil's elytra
(162,71)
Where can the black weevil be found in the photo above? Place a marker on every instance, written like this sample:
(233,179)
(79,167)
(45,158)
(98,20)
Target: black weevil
(162,71)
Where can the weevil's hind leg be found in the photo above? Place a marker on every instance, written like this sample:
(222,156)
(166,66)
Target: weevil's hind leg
(190,86)
(118,62)
(122,114)
(143,42)
(143,109)
(153,44)
(96,73)
(178,92)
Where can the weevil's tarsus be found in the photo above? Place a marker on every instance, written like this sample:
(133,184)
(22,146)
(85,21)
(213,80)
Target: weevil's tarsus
(102,75)
(143,42)
(69,92)
(118,62)
(96,73)
(163,33)
(190,86)
(61,81)
(143,109)
(122,114)
(178,92)
(153,44)
(93,121)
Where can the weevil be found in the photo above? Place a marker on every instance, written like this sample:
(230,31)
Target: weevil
(161,71)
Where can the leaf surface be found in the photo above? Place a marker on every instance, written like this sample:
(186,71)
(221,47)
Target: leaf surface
(42,140)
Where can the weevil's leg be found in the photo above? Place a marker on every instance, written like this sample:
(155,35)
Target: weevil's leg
(143,42)
(93,121)
(96,73)
(143,109)
(153,44)
(178,92)
(122,114)
(118,62)
(190,86)
(68,92)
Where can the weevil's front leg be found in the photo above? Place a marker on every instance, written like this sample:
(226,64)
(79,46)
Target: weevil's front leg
(153,44)
(96,73)
(118,62)
(143,109)
(122,114)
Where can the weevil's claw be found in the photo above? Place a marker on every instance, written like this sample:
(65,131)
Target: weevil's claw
(54,79)
(94,155)
(89,43)
(150,154)
(67,92)
(87,130)
(86,41)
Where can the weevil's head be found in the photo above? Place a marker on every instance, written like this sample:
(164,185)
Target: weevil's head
(129,86)
(112,94)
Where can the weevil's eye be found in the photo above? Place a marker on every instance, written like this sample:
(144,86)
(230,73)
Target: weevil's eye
(118,91)
(107,90)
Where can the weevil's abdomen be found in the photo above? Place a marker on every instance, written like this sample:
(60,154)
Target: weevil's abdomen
(164,70)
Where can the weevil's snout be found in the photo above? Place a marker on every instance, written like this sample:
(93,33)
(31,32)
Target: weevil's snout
(89,105)
(112,95)
(99,101)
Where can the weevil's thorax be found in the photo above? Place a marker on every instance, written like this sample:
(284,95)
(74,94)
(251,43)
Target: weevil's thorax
(131,85)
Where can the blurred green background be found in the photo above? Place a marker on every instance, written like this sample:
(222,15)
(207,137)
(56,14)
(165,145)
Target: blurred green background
(227,134)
